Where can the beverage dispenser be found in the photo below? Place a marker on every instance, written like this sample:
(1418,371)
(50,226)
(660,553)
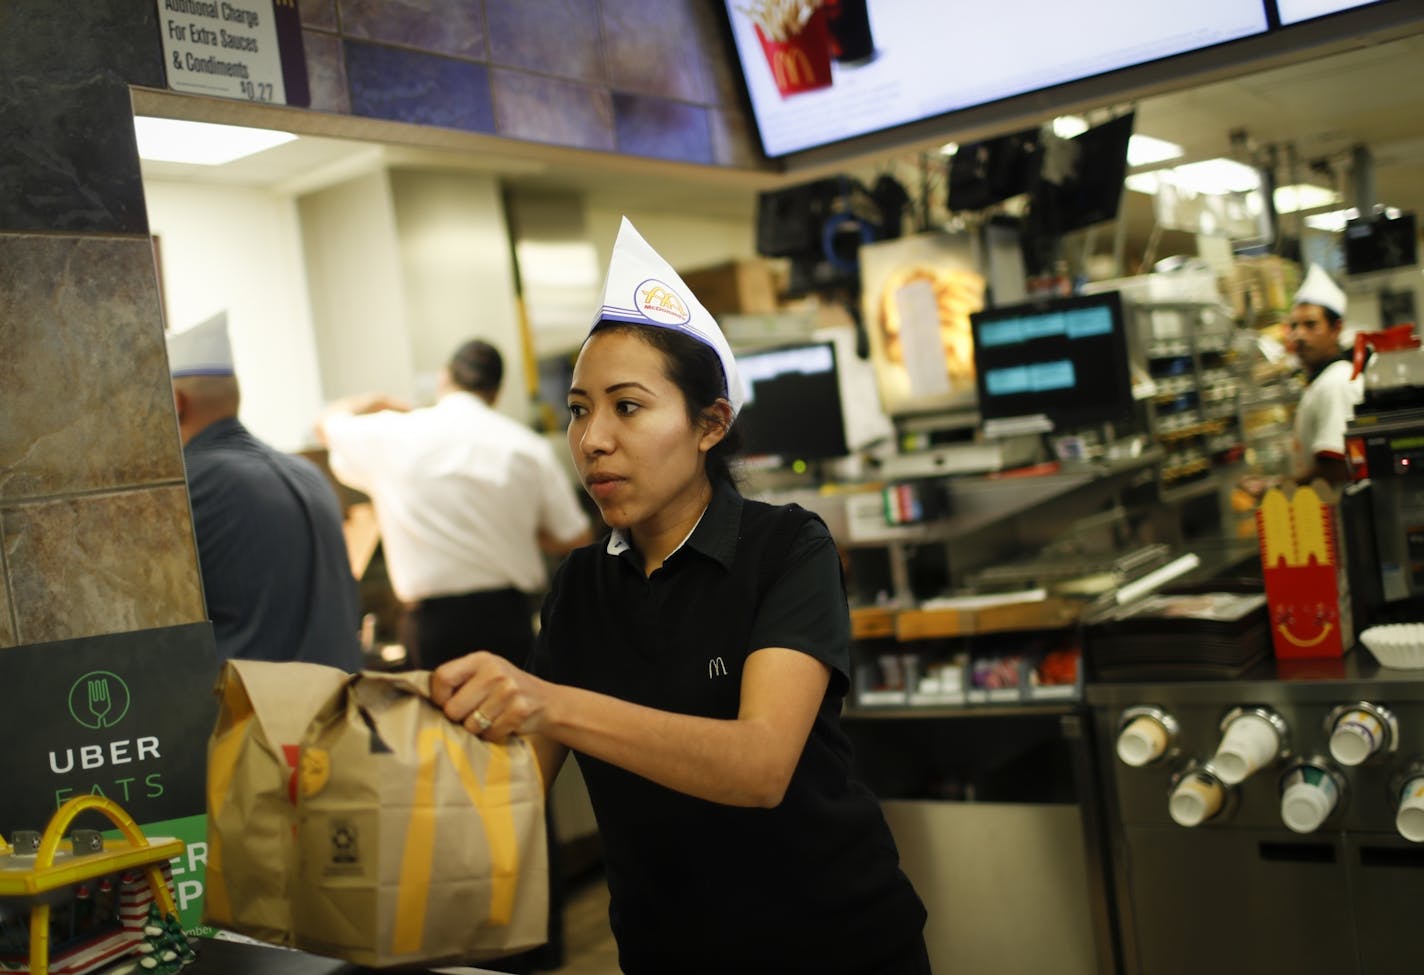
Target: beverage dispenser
(1302,785)
(1394,374)
(1384,444)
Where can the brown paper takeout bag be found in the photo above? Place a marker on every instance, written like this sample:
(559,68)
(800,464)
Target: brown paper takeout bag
(253,753)
(417,842)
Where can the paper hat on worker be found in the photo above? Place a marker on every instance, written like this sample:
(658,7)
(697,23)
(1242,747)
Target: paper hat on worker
(643,289)
(1319,289)
(202,350)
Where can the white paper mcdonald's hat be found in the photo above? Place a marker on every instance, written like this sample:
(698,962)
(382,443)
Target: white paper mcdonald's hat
(202,350)
(643,289)
(1319,289)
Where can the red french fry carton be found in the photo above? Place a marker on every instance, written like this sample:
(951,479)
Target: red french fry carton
(802,62)
(1307,590)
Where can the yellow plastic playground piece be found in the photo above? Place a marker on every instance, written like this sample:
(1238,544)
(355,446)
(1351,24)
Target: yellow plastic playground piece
(52,869)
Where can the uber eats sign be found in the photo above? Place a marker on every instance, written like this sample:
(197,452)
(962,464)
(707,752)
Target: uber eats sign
(125,716)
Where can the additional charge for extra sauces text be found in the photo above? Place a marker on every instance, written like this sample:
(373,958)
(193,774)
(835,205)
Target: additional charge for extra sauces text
(198,34)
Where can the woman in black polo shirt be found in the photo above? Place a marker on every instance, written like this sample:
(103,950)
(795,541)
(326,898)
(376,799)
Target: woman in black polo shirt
(695,663)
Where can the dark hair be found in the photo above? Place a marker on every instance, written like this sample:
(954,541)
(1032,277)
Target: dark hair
(1332,317)
(477,366)
(696,370)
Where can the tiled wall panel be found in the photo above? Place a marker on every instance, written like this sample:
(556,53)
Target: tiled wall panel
(318,13)
(664,129)
(101,563)
(87,402)
(519,38)
(66,162)
(7,623)
(326,73)
(552,110)
(547,71)
(653,47)
(424,89)
(453,27)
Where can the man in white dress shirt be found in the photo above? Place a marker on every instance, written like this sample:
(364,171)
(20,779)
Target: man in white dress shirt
(466,499)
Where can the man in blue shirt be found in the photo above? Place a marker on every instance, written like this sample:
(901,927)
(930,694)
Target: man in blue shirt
(276,573)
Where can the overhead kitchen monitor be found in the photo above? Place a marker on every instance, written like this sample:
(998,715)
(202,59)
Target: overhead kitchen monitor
(793,405)
(1380,242)
(988,172)
(1090,189)
(1052,365)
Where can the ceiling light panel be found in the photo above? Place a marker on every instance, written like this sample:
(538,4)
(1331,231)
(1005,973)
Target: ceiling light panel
(201,143)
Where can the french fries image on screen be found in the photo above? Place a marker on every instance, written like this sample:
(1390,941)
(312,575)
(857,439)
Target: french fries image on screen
(795,40)
(780,20)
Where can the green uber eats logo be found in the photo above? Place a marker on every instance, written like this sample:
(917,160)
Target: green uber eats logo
(120,768)
(99,699)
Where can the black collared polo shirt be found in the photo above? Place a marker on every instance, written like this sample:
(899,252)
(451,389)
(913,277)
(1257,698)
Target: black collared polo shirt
(812,885)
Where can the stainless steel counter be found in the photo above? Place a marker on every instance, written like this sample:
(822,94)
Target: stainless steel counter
(1241,892)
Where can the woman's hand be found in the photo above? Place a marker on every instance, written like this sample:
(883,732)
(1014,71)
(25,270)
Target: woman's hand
(489,696)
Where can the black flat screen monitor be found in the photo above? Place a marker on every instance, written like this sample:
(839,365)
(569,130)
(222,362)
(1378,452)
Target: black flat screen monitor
(984,173)
(793,405)
(1378,243)
(1063,361)
(1092,190)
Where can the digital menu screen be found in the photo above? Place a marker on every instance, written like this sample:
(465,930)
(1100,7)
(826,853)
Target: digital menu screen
(793,404)
(818,73)
(1294,11)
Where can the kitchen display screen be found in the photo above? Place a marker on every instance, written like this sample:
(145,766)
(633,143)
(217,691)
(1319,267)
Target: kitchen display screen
(1064,359)
(793,405)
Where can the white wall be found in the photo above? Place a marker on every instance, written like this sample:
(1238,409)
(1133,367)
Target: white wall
(687,243)
(371,284)
(458,273)
(240,249)
(357,288)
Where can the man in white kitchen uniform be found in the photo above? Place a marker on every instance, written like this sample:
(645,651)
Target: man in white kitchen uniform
(1330,397)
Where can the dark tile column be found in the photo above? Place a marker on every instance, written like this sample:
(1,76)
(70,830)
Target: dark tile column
(95,532)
